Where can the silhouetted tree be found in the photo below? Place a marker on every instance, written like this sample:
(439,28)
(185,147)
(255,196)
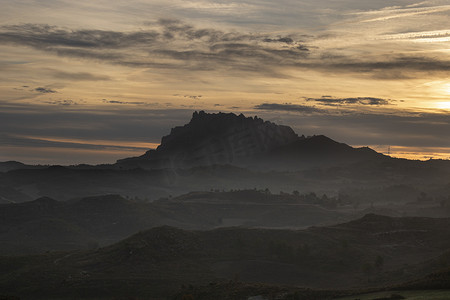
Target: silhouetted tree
(423,197)
(379,262)
(367,268)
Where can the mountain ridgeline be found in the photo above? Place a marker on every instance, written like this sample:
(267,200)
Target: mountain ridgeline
(226,138)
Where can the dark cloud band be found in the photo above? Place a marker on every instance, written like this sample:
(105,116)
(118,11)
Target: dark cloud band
(44,90)
(327,100)
(288,107)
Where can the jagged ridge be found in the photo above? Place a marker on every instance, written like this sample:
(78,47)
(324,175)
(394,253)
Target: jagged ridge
(220,138)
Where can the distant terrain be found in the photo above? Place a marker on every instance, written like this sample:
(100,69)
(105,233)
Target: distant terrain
(47,224)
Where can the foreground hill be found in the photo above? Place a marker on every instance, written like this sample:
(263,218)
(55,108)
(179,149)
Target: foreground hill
(373,251)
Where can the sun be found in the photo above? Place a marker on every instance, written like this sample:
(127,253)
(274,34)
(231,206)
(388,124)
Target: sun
(443,105)
(444,90)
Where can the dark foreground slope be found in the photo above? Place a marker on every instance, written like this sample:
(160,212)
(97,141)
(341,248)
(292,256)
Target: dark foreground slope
(369,252)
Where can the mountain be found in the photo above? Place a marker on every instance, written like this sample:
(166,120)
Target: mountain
(6,166)
(225,138)
(373,251)
(11,165)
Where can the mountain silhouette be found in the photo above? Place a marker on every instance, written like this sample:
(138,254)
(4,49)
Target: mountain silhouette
(226,138)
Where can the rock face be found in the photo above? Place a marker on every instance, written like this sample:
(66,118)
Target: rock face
(221,138)
(226,138)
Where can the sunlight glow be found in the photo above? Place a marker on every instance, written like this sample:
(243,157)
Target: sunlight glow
(414,153)
(443,105)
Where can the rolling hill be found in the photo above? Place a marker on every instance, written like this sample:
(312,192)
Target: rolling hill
(373,251)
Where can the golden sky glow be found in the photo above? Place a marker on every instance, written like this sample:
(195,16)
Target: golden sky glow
(122,73)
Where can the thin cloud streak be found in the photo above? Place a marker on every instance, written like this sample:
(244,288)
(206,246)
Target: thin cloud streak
(62,142)
(371,101)
(404,12)
(289,107)
(78,76)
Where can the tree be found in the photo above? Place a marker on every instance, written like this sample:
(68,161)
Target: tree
(367,269)
(379,262)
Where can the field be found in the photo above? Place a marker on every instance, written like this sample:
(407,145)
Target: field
(410,295)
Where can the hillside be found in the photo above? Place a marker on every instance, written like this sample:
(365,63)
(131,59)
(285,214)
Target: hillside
(47,224)
(373,251)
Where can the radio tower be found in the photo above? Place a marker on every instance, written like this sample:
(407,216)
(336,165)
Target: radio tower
(389,151)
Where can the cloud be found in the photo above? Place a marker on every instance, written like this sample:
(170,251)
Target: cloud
(286,40)
(43,36)
(62,143)
(130,123)
(383,67)
(430,36)
(176,29)
(411,63)
(125,102)
(387,128)
(95,54)
(400,12)
(193,97)
(169,44)
(45,90)
(173,44)
(328,100)
(288,107)
(79,76)
(62,102)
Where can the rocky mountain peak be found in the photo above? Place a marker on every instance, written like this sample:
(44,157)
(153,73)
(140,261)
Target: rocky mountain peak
(229,128)
(220,138)
(226,138)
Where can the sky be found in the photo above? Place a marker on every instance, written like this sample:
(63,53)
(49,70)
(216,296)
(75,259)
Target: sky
(96,81)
